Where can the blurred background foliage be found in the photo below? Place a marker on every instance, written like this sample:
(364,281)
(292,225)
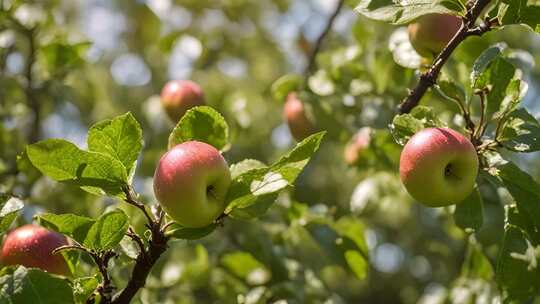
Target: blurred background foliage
(67,64)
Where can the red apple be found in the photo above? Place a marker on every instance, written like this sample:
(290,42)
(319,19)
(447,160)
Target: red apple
(295,115)
(191,183)
(178,96)
(33,246)
(429,34)
(357,145)
(438,166)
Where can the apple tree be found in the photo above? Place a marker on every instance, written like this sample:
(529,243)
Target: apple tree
(270,151)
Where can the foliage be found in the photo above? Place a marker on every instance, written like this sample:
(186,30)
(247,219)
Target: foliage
(300,225)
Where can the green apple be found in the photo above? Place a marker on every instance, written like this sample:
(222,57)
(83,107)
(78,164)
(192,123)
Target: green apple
(438,166)
(357,145)
(429,34)
(178,96)
(191,183)
(33,246)
(294,113)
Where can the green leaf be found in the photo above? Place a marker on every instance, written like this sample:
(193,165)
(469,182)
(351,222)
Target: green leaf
(476,264)
(59,57)
(242,264)
(495,74)
(259,186)
(400,13)
(120,138)
(62,161)
(202,124)
(28,285)
(406,125)
(10,207)
(179,232)
(517,274)
(521,132)
(107,231)
(469,214)
(525,191)
(520,12)
(83,288)
(451,90)
(285,85)
(341,249)
(245,166)
(74,226)
(485,59)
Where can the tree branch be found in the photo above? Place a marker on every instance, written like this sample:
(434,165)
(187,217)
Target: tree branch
(29,90)
(132,201)
(144,263)
(318,43)
(429,78)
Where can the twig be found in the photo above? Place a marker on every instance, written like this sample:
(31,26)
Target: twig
(429,78)
(106,288)
(143,266)
(137,239)
(482,124)
(318,43)
(131,200)
(29,90)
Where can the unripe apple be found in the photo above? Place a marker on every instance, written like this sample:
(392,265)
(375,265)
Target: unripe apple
(178,96)
(438,166)
(294,113)
(357,145)
(429,34)
(33,246)
(191,183)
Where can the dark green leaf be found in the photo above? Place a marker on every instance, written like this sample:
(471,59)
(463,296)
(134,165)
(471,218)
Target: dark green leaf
(28,285)
(469,214)
(521,132)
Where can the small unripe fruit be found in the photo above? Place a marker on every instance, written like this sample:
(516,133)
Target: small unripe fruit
(438,166)
(191,183)
(294,113)
(357,145)
(178,96)
(33,246)
(429,34)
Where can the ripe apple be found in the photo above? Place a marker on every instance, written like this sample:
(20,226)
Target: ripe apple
(429,34)
(33,246)
(178,96)
(438,166)
(357,145)
(295,115)
(191,182)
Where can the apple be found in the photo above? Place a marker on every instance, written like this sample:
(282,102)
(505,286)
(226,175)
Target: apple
(33,246)
(357,145)
(191,183)
(178,96)
(294,113)
(438,166)
(429,34)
